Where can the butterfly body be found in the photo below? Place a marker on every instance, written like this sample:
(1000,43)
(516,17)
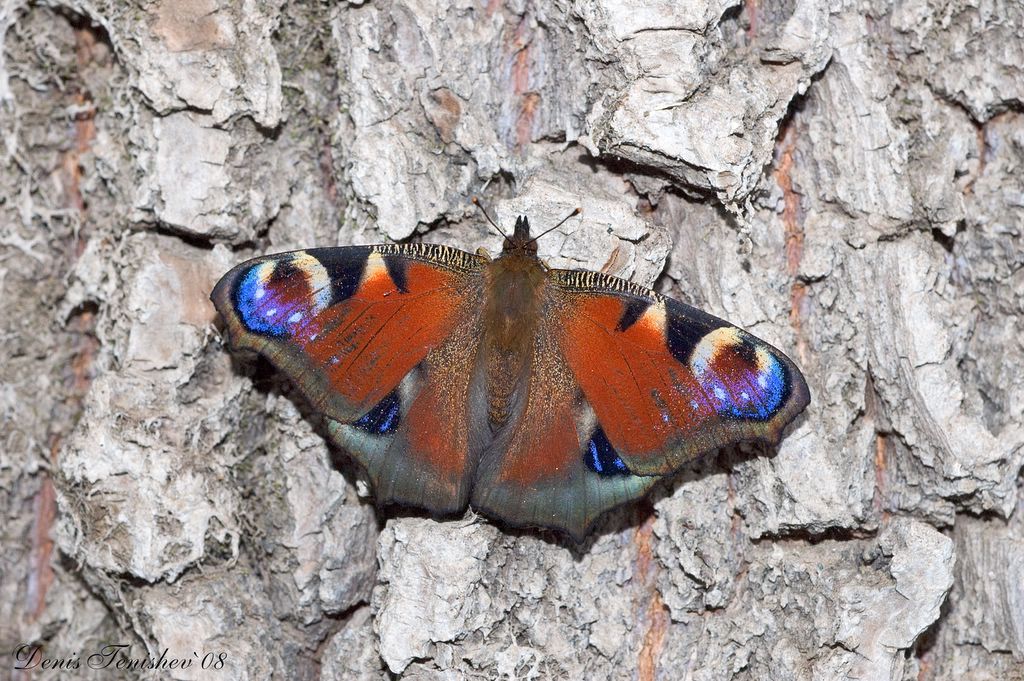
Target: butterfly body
(540,396)
(514,291)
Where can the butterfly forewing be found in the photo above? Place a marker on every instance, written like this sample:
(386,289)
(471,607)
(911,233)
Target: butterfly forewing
(669,382)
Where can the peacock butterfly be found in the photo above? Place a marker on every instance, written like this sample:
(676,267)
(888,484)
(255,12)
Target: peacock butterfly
(539,396)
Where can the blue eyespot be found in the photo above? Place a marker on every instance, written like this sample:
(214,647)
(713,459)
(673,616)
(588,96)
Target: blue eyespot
(257,305)
(600,457)
(383,419)
(756,400)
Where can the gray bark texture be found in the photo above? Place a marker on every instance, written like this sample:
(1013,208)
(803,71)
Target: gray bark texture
(844,179)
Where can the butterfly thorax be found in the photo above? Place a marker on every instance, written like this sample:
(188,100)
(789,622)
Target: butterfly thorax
(514,294)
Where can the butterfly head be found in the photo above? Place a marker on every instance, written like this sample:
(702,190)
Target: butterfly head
(519,242)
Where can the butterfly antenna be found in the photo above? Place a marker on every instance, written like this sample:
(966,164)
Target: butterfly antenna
(476,202)
(574,213)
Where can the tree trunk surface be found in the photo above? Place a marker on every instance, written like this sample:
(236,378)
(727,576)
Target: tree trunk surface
(845,180)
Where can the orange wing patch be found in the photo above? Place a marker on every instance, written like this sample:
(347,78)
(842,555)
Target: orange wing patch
(640,393)
(373,339)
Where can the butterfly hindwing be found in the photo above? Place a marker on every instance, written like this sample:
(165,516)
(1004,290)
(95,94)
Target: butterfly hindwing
(668,382)
(377,338)
(427,458)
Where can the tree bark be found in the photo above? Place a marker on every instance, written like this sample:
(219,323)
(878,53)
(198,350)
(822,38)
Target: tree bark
(842,179)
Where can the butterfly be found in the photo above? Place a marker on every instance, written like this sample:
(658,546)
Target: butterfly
(539,396)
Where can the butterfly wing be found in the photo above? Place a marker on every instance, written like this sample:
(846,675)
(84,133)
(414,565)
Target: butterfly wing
(667,381)
(380,340)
